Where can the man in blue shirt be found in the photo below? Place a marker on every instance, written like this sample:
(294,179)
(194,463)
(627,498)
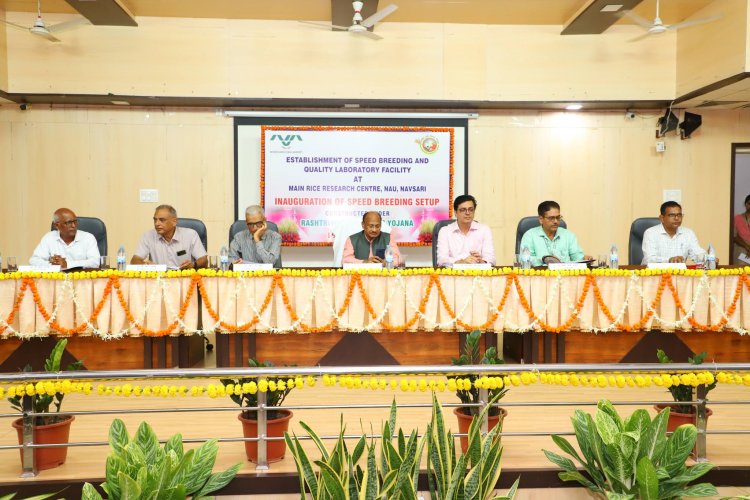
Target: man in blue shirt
(549,242)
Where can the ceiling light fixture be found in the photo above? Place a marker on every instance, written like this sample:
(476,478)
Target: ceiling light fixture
(574,106)
(613,7)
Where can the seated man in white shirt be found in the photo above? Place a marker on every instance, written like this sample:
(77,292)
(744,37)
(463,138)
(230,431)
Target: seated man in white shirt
(169,245)
(66,246)
(669,241)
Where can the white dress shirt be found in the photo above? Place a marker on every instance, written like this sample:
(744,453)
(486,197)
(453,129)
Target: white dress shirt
(659,246)
(453,245)
(82,251)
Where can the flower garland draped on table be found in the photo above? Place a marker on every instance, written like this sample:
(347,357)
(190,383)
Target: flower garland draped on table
(112,304)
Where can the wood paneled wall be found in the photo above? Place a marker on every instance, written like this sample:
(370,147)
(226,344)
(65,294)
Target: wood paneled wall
(602,169)
(246,58)
(3,52)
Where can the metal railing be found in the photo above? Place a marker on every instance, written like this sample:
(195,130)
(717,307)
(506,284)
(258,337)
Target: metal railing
(28,445)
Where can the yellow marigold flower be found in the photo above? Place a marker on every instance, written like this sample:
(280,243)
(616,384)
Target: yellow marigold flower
(479,383)
(193,391)
(709,378)
(263,385)
(220,390)
(117,390)
(412,385)
(639,381)
(565,379)
(49,388)
(452,385)
(382,383)
(137,390)
(515,380)
(746,379)
(676,380)
(325,380)
(422,385)
(574,380)
(290,383)
(440,386)
(393,384)
(601,380)
(310,381)
(229,387)
(357,382)
(506,381)
(30,390)
(721,377)
(2,392)
(372,384)
(253,389)
(272,386)
(684,379)
(701,377)
(556,379)
(280,385)
(66,386)
(612,381)
(100,389)
(299,383)
(11,392)
(526,378)
(211,391)
(544,377)
(237,390)
(620,381)
(584,380)
(147,390)
(404,384)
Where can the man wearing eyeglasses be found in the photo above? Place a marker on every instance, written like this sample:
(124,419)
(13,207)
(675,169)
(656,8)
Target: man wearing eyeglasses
(549,242)
(669,241)
(465,241)
(170,245)
(256,244)
(66,246)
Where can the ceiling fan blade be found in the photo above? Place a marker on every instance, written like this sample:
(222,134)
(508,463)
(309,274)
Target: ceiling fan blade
(695,22)
(46,35)
(59,27)
(25,28)
(641,37)
(326,25)
(644,23)
(379,15)
(368,34)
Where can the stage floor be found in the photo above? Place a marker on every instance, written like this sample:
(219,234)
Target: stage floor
(87,463)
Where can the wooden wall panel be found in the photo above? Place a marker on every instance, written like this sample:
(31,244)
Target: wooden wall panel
(710,52)
(3,52)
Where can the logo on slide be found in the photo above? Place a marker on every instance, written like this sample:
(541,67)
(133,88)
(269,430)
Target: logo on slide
(286,140)
(428,144)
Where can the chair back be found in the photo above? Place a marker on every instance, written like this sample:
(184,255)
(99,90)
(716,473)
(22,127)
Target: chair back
(343,230)
(635,242)
(94,226)
(198,226)
(435,231)
(240,225)
(527,223)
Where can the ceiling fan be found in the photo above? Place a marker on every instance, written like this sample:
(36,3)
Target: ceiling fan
(46,31)
(657,27)
(360,26)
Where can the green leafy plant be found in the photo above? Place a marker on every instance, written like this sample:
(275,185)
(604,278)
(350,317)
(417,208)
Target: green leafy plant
(631,458)
(683,392)
(471,355)
(41,402)
(340,475)
(35,497)
(139,468)
(467,476)
(249,396)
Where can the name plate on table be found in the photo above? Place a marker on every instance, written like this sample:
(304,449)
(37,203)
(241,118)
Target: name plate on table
(566,266)
(159,268)
(363,265)
(39,269)
(251,266)
(666,265)
(482,266)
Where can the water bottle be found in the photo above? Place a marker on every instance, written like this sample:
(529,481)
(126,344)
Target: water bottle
(614,260)
(526,258)
(711,257)
(121,258)
(224,259)
(389,257)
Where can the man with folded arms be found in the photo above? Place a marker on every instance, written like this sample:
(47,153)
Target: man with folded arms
(549,242)
(365,245)
(66,246)
(465,241)
(669,241)
(256,244)
(167,244)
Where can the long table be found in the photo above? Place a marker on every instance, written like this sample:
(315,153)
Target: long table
(417,312)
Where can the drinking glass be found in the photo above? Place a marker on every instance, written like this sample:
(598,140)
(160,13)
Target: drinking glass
(12,265)
(402,261)
(103,262)
(700,260)
(517,261)
(602,261)
(212,261)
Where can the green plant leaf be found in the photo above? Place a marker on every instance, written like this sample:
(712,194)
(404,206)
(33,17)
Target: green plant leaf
(648,483)
(458,472)
(700,490)
(606,427)
(358,450)
(146,439)
(605,406)
(564,463)
(88,492)
(304,466)
(201,463)
(565,446)
(118,435)
(369,488)
(332,481)
(656,436)
(580,426)
(678,447)
(174,443)
(689,475)
(577,476)
(218,480)
(129,489)
(316,440)
(620,467)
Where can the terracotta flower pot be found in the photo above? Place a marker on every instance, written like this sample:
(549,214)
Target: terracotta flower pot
(464,421)
(677,419)
(57,433)
(275,450)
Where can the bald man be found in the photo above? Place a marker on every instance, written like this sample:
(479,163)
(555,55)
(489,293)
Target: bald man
(66,246)
(364,245)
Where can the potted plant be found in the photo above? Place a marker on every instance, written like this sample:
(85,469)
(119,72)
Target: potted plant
(277,421)
(138,467)
(470,395)
(50,428)
(631,458)
(683,413)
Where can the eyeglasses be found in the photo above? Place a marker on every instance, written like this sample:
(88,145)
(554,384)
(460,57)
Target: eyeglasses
(255,224)
(69,223)
(466,210)
(553,218)
(675,216)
